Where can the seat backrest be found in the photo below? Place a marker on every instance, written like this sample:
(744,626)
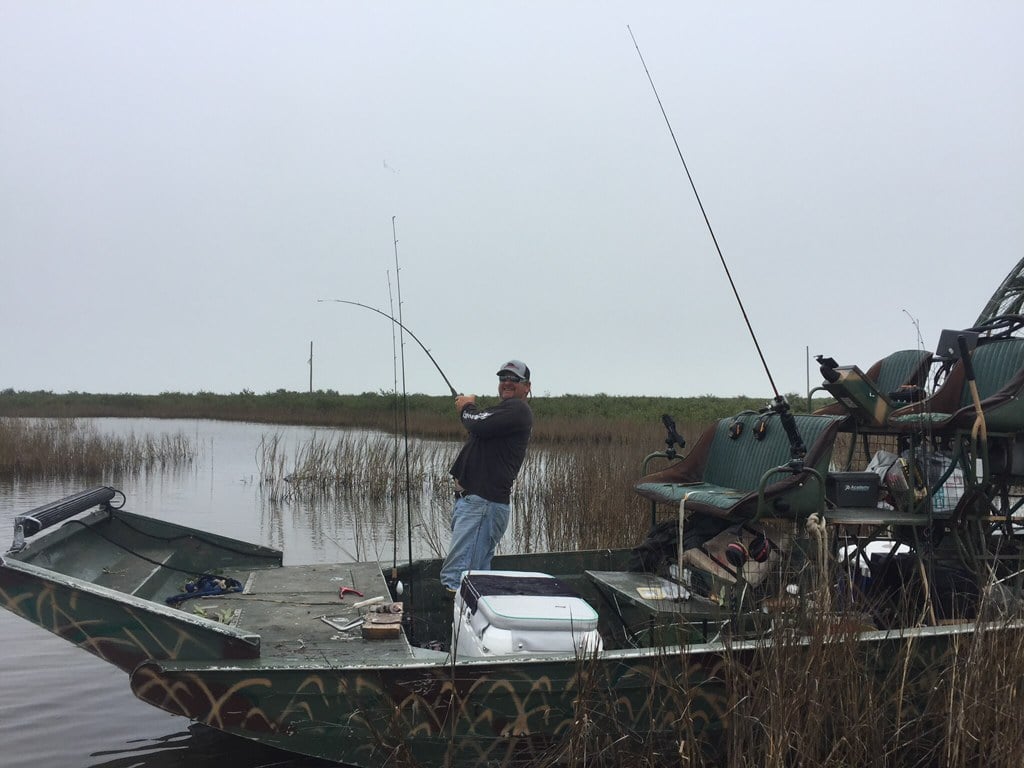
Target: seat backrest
(996,366)
(999,376)
(905,367)
(741,462)
(727,471)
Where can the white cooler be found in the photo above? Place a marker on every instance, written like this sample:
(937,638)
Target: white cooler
(498,613)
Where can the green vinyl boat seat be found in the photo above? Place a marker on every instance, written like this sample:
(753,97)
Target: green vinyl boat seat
(999,376)
(721,475)
(900,370)
(870,396)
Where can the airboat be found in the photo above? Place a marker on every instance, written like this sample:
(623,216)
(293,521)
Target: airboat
(888,515)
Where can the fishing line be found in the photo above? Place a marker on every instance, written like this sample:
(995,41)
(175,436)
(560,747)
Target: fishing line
(399,324)
(706,220)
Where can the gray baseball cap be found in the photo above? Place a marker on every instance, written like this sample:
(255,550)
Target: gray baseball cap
(518,367)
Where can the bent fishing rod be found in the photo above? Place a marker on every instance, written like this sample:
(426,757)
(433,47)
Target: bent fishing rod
(396,322)
(780,402)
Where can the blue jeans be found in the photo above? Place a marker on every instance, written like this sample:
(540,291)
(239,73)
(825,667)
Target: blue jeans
(477,527)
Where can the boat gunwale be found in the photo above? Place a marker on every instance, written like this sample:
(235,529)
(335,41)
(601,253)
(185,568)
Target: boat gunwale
(63,580)
(70,527)
(609,655)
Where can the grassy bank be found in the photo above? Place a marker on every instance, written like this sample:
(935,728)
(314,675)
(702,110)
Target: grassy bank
(567,418)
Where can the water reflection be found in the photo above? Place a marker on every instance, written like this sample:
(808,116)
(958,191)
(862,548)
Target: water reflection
(199,747)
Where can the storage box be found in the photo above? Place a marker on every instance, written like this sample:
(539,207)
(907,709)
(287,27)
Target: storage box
(499,613)
(852,489)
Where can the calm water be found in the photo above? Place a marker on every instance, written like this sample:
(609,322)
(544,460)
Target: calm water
(61,707)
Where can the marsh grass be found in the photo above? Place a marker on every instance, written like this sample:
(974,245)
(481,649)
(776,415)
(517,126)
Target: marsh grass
(58,448)
(578,494)
(365,466)
(830,697)
(574,492)
(817,690)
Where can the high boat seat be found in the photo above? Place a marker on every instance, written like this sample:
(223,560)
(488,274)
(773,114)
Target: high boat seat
(723,473)
(999,376)
(870,396)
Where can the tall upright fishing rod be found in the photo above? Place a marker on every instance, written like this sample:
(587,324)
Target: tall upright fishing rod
(780,402)
(404,328)
(405,403)
(707,221)
(394,366)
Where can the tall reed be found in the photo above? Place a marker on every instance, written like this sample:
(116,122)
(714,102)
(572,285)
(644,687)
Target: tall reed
(575,494)
(367,466)
(817,688)
(57,448)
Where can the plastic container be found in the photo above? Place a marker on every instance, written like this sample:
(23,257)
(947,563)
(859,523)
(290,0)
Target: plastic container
(501,613)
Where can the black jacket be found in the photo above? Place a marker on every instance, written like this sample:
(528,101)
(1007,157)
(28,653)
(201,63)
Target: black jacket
(489,461)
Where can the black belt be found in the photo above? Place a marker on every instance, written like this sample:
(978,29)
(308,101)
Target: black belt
(462,494)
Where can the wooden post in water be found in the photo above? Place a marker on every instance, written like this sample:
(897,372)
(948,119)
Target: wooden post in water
(311,367)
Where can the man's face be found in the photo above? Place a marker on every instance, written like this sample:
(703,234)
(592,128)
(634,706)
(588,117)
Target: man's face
(510,385)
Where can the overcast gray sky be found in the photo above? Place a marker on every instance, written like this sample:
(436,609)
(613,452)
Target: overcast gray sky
(180,182)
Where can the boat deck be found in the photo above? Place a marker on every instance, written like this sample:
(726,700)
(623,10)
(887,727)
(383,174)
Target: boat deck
(285,607)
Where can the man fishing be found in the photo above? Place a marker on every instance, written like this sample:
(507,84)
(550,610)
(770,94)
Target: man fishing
(484,472)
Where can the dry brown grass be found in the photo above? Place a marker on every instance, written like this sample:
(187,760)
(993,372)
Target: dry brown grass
(818,692)
(828,697)
(54,448)
(574,492)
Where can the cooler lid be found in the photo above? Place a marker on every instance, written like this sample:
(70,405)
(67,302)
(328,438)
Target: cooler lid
(537,612)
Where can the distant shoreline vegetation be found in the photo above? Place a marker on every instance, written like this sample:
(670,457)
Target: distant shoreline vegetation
(565,418)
